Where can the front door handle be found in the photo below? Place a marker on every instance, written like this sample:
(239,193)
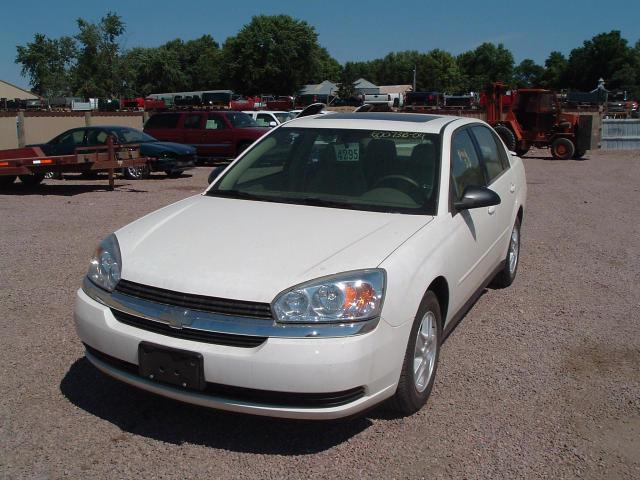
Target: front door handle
(512,188)
(491,210)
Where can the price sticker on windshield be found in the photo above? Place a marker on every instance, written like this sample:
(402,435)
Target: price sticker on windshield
(347,152)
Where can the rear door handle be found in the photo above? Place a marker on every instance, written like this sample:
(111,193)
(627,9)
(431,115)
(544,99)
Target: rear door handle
(512,188)
(491,210)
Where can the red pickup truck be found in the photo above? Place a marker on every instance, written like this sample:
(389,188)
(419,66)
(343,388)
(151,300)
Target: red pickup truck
(215,134)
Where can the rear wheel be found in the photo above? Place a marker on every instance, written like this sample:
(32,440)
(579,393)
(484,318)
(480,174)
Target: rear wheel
(32,180)
(507,137)
(421,358)
(136,173)
(562,149)
(6,180)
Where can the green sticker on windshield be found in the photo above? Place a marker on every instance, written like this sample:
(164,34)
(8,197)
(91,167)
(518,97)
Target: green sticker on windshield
(347,152)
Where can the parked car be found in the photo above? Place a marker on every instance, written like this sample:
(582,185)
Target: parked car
(270,118)
(171,158)
(215,134)
(318,275)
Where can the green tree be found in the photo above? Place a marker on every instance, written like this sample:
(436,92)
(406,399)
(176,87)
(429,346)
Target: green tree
(325,67)
(97,72)
(272,54)
(487,63)
(199,60)
(439,71)
(47,63)
(528,74)
(555,71)
(606,56)
(151,70)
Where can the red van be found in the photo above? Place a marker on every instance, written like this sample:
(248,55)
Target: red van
(215,134)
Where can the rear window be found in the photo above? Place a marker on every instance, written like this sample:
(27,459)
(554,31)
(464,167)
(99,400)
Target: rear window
(163,120)
(241,120)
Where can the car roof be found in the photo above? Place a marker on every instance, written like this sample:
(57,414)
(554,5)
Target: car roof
(402,122)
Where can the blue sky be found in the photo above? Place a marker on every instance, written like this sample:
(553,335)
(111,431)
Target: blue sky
(350,30)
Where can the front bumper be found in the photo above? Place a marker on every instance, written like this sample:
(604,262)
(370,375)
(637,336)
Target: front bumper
(304,366)
(173,163)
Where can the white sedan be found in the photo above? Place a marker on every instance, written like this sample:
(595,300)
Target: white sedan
(318,275)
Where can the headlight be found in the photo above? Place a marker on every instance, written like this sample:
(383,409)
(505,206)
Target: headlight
(346,297)
(106,264)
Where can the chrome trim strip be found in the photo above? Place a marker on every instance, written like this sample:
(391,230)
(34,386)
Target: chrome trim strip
(177,317)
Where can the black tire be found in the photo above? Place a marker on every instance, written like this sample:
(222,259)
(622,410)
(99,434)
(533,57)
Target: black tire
(6,180)
(522,151)
(408,399)
(32,180)
(579,154)
(507,275)
(173,173)
(136,173)
(507,137)
(563,149)
(53,176)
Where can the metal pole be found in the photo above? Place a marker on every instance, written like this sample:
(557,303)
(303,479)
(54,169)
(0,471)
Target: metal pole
(112,158)
(415,67)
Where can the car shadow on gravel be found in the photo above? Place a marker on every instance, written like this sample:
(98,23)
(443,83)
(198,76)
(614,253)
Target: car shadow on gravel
(148,415)
(66,190)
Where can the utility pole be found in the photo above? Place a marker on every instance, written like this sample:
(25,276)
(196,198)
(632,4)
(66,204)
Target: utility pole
(414,77)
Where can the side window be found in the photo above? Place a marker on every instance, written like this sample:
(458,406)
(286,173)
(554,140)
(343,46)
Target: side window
(192,121)
(465,165)
(97,137)
(76,137)
(263,119)
(490,151)
(163,120)
(214,122)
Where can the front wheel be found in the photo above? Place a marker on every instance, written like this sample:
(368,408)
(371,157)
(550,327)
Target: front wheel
(507,137)
(136,173)
(507,275)
(32,180)
(420,359)
(562,149)
(6,180)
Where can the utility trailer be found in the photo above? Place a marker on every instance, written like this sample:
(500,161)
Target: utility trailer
(30,164)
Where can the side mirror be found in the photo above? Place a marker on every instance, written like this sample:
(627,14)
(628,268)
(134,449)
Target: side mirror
(214,173)
(273,123)
(476,197)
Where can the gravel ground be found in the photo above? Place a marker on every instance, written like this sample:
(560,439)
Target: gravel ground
(539,380)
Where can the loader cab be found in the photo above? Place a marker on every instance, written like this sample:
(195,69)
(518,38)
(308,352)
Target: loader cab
(536,110)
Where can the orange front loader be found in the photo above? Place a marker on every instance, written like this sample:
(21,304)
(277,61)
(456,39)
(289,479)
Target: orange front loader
(535,118)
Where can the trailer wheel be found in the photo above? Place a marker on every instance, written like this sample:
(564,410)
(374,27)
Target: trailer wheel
(6,180)
(562,149)
(507,136)
(32,180)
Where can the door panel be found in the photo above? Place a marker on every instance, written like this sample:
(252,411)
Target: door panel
(472,234)
(217,136)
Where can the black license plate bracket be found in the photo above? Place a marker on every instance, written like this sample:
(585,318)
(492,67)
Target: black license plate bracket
(172,366)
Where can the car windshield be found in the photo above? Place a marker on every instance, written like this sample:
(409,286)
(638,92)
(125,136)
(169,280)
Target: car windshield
(129,135)
(241,120)
(284,116)
(376,170)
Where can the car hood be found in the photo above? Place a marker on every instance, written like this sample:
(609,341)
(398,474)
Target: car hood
(250,250)
(155,148)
